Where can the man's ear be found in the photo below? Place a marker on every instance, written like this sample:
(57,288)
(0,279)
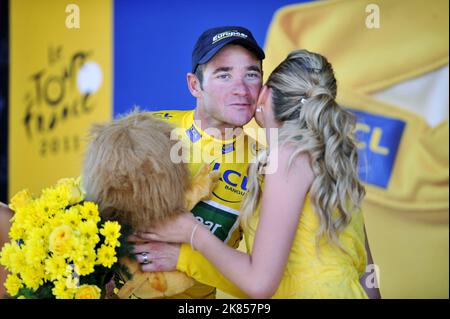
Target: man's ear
(263,95)
(193,84)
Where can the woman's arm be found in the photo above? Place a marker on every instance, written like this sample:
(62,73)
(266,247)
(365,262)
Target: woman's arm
(369,280)
(5,216)
(260,273)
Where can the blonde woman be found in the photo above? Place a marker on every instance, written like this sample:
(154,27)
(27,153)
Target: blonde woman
(305,230)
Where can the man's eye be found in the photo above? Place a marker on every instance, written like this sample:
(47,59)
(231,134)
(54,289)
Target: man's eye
(254,75)
(224,76)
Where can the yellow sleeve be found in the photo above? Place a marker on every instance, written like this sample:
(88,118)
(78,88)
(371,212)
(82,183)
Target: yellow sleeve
(194,264)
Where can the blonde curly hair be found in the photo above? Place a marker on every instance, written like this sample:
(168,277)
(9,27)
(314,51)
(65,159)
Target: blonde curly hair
(303,100)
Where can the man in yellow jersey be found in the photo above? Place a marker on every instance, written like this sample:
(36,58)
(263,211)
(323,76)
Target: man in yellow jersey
(226,78)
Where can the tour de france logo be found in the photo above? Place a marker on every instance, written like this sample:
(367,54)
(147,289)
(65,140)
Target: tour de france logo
(56,95)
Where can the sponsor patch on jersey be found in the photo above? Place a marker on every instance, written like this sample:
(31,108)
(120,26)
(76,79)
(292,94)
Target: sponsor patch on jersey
(162,115)
(227,148)
(378,142)
(220,220)
(193,134)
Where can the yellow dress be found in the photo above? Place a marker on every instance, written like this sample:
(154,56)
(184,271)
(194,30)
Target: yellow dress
(335,274)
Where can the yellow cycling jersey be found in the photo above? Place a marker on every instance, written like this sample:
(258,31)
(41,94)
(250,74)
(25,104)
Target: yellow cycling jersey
(219,213)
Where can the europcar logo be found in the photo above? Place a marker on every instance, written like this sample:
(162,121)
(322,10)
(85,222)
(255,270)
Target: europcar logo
(228,34)
(378,142)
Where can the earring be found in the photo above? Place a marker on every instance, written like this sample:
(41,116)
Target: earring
(259,109)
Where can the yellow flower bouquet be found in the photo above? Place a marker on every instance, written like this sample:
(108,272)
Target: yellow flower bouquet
(60,248)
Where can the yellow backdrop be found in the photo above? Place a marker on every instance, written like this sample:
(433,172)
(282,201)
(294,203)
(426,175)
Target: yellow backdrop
(60,83)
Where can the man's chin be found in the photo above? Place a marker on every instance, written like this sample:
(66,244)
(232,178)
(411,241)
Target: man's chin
(238,121)
(241,123)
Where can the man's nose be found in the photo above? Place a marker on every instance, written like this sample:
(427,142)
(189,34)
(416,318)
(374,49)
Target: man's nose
(240,87)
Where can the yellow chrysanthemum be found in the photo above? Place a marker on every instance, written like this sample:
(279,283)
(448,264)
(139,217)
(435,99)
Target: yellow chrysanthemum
(60,291)
(106,256)
(72,217)
(111,231)
(89,211)
(55,197)
(57,219)
(88,292)
(86,265)
(85,259)
(55,267)
(39,234)
(35,251)
(20,199)
(31,216)
(16,232)
(89,232)
(23,221)
(12,257)
(6,254)
(12,284)
(46,207)
(33,276)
